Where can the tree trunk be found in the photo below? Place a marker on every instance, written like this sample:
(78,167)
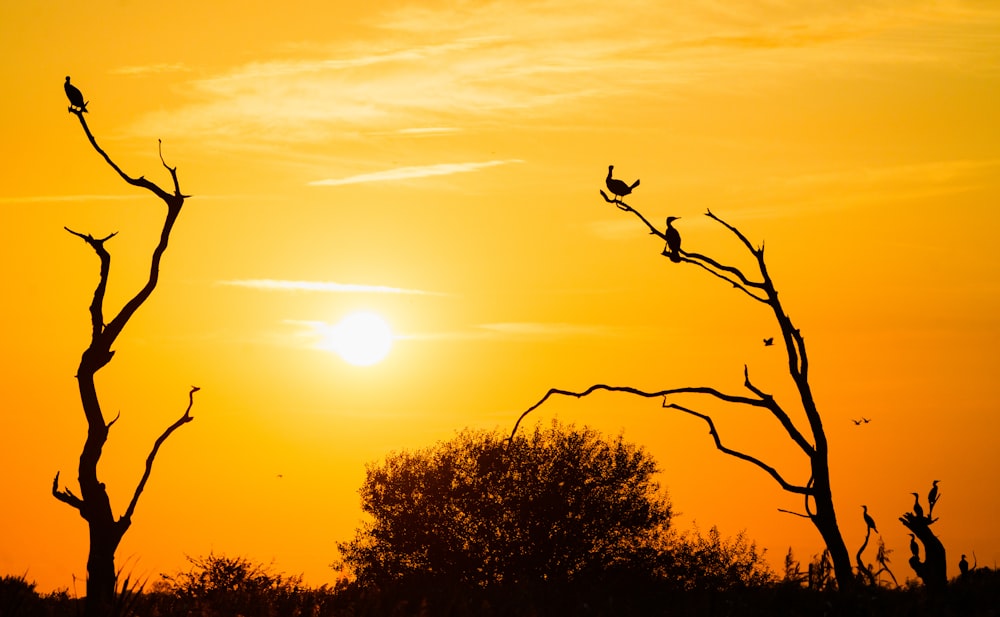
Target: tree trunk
(825,520)
(933,570)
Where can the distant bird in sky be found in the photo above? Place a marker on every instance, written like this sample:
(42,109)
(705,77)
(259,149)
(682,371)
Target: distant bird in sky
(919,511)
(769,341)
(856,422)
(914,547)
(75,96)
(865,420)
(618,187)
(673,247)
(869,520)
(932,497)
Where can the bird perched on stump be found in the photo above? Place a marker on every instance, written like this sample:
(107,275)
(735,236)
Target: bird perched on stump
(673,247)
(869,521)
(914,547)
(916,506)
(618,187)
(75,96)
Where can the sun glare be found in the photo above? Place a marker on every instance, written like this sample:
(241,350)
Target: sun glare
(361,339)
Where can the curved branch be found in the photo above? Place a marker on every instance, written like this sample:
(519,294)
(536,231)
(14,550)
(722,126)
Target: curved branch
(126,519)
(66,496)
(779,413)
(729,398)
(791,488)
(141,181)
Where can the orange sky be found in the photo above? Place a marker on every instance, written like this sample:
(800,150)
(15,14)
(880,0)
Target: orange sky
(453,153)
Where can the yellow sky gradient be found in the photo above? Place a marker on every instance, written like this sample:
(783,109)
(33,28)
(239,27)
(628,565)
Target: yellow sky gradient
(439,164)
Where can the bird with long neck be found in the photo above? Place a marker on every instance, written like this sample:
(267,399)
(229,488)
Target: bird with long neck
(673,247)
(932,497)
(914,547)
(916,506)
(75,96)
(618,187)
(869,521)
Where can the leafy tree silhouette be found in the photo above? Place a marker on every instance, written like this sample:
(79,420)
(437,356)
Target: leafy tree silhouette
(811,441)
(93,502)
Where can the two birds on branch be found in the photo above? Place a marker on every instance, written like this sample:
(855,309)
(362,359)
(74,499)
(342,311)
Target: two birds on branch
(619,188)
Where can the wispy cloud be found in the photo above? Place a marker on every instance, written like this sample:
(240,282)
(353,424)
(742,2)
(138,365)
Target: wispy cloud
(519,331)
(35,199)
(406,173)
(324,287)
(150,68)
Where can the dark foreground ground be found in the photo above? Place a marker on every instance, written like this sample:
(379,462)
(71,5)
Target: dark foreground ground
(977,595)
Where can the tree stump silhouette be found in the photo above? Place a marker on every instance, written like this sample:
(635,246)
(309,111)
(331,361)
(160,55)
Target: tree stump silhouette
(933,570)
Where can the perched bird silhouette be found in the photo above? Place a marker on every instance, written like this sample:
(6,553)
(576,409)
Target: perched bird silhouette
(618,187)
(869,520)
(916,506)
(769,341)
(914,547)
(933,496)
(75,96)
(963,565)
(673,247)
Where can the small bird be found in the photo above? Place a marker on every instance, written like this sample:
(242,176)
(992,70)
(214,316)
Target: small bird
(865,420)
(856,422)
(916,506)
(869,521)
(618,187)
(769,341)
(933,496)
(673,247)
(963,565)
(914,547)
(75,96)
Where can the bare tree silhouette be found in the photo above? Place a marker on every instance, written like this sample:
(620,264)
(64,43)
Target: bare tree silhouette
(759,287)
(93,503)
(933,570)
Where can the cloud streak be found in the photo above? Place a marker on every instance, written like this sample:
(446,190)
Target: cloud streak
(412,172)
(324,287)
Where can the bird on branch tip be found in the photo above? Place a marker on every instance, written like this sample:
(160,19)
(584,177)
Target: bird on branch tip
(919,511)
(673,247)
(617,187)
(933,496)
(869,521)
(75,97)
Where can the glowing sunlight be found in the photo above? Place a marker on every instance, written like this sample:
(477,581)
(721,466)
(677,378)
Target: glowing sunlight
(360,339)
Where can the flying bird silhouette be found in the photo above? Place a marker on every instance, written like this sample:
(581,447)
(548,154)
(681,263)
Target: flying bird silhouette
(75,96)
(869,521)
(865,420)
(919,511)
(618,187)
(673,247)
(856,422)
(769,341)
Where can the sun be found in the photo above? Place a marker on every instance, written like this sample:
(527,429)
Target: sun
(361,339)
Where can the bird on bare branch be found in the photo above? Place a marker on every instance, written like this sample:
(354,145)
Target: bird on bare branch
(673,247)
(75,97)
(869,521)
(917,509)
(932,497)
(914,547)
(618,187)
